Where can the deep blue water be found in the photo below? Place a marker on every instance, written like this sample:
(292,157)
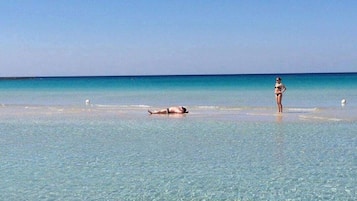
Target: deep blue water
(249,81)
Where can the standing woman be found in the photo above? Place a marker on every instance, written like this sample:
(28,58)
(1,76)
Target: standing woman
(279,90)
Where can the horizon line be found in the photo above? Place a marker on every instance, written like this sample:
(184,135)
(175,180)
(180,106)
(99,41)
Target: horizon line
(168,75)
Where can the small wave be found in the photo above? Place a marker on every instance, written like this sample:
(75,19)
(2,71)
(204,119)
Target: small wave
(215,107)
(320,118)
(121,106)
(99,105)
(140,106)
(302,110)
(207,107)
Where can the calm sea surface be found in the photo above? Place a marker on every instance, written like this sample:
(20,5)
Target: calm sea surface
(231,146)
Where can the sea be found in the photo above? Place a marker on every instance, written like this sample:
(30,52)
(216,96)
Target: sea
(92,138)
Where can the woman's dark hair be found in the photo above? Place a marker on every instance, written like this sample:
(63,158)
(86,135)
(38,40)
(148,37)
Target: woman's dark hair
(184,110)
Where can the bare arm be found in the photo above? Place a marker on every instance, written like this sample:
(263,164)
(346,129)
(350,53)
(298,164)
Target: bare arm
(283,89)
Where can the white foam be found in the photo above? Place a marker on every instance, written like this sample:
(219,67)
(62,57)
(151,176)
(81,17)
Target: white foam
(121,106)
(320,118)
(106,106)
(207,107)
(140,106)
(302,109)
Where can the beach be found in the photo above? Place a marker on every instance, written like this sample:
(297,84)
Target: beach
(232,145)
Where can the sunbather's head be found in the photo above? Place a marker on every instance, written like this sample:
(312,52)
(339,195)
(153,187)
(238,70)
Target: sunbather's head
(184,110)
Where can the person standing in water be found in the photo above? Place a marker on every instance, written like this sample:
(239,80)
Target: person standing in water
(279,90)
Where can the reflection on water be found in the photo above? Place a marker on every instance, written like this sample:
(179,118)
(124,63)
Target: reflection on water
(279,118)
(279,139)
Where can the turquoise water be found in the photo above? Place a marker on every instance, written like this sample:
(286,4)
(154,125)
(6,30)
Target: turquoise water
(304,90)
(231,146)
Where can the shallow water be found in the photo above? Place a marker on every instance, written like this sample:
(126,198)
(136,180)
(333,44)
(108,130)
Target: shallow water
(231,146)
(166,158)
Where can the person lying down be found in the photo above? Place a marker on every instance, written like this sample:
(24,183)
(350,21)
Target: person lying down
(170,110)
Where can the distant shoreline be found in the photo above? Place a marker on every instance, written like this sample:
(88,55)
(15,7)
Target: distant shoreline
(179,75)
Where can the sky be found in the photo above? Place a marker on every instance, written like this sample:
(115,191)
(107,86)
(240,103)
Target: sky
(169,37)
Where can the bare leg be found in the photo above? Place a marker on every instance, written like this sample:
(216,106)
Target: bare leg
(279,108)
(281,104)
(279,98)
(164,111)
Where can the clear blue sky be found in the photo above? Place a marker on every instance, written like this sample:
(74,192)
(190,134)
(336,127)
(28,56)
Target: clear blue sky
(134,37)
